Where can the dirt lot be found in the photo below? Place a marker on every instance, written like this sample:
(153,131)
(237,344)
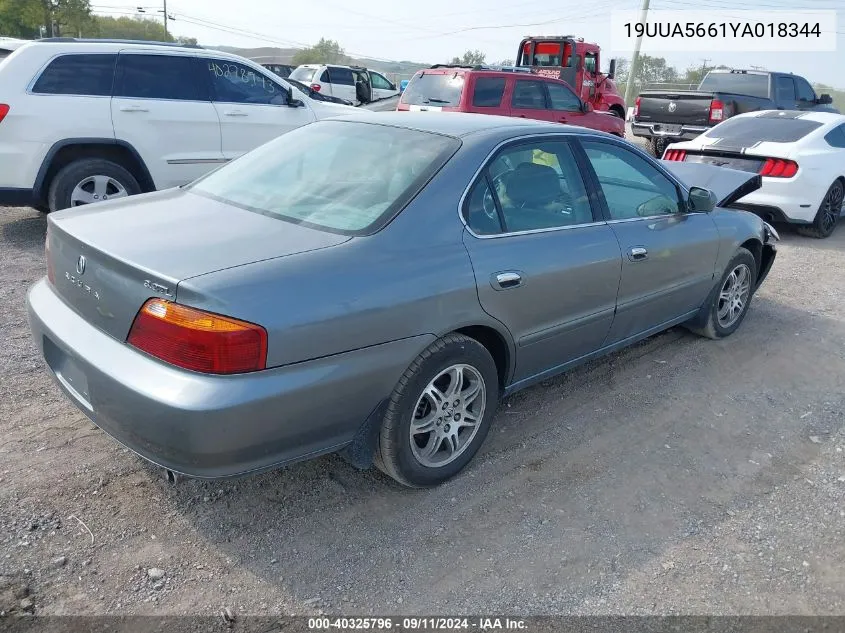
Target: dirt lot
(679,476)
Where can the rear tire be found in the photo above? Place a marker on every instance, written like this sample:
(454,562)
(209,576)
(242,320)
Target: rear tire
(827,217)
(439,413)
(728,304)
(90,179)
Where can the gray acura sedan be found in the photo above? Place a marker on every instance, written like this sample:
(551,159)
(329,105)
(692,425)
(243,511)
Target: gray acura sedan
(375,284)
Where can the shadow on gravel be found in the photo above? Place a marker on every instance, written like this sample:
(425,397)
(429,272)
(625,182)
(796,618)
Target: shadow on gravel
(26,232)
(583,481)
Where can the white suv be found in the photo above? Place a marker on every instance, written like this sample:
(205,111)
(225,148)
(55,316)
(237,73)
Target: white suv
(354,83)
(89,120)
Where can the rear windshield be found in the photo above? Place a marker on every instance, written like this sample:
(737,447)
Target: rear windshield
(339,176)
(435,89)
(736,83)
(749,131)
(303,74)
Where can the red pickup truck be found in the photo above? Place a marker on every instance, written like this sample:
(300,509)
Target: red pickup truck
(515,92)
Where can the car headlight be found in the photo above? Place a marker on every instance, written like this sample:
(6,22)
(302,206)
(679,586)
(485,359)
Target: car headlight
(770,231)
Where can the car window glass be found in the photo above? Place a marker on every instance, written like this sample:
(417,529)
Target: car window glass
(77,75)
(805,92)
(562,98)
(488,92)
(632,187)
(236,83)
(537,186)
(836,137)
(304,74)
(786,90)
(481,213)
(529,95)
(341,76)
(380,82)
(326,77)
(159,77)
(590,62)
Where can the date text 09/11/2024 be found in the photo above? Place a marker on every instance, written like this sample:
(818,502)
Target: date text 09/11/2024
(416,624)
(722,29)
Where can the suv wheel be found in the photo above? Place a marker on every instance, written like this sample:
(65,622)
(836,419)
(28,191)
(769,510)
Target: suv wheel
(90,180)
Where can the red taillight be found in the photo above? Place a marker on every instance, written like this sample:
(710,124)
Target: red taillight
(4,110)
(637,107)
(717,111)
(779,168)
(675,154)
(198,340)
(315,87)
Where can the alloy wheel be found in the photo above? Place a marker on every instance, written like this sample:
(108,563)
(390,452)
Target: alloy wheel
(734,296)
(96,189)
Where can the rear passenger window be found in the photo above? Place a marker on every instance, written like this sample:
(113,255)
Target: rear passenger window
(488,92)
(836,137)
(529,95)
(341,76)
(159,77)
(90,75)
(535,186)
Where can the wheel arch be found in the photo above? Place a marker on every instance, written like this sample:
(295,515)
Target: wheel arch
(497,342)
(64,152)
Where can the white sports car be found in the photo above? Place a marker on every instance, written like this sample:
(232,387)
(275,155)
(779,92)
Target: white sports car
(800,156)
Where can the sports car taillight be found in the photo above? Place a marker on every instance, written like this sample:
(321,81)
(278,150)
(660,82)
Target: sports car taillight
(779,168)
(4,110)
(717,111)
(675,154)
(637,107)
(198,340)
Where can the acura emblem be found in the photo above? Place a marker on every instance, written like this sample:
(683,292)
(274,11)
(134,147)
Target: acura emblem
(80,265)
(672,106)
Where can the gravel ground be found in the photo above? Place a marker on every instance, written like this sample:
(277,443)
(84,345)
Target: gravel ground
(679,476)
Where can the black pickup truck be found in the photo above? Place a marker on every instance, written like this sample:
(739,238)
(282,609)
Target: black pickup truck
(665,117)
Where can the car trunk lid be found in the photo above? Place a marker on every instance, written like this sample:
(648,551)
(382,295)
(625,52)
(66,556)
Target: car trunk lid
(106,259)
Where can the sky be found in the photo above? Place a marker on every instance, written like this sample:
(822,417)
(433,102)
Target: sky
(436,30)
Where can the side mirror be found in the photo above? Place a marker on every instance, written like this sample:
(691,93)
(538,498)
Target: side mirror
(701,200)
(611,73)
(825,99)
(586,106)
(291,102)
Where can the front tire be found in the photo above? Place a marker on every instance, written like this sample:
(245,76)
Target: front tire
(827,217)
(90,180)
(439,413)
(728,304)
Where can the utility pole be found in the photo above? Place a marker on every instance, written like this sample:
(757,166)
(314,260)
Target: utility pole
(636,58)
(165,20)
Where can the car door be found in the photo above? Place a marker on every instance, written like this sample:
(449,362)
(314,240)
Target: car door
(528,100)
(161,107)
(343,83)
(382,87)
(668,253)
(785,93)
(544,266)
(252,107)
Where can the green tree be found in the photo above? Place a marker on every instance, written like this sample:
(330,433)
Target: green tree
(470,58)
(131,28)
(323,52)
(25,18)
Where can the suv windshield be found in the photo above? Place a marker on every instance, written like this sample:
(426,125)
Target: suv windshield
(434,89)
(752,85)
(303,74)
(339,176)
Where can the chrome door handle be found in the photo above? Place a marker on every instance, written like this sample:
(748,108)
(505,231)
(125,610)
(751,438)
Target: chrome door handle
(505,280)
(637,254)
(133,108)
(235,113)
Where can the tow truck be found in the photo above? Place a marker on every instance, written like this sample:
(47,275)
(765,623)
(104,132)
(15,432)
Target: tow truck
(577,63)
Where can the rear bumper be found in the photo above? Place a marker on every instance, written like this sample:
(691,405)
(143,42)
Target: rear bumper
(213,426)
(652,130)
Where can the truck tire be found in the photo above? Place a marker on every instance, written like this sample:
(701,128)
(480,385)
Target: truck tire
(90,180)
